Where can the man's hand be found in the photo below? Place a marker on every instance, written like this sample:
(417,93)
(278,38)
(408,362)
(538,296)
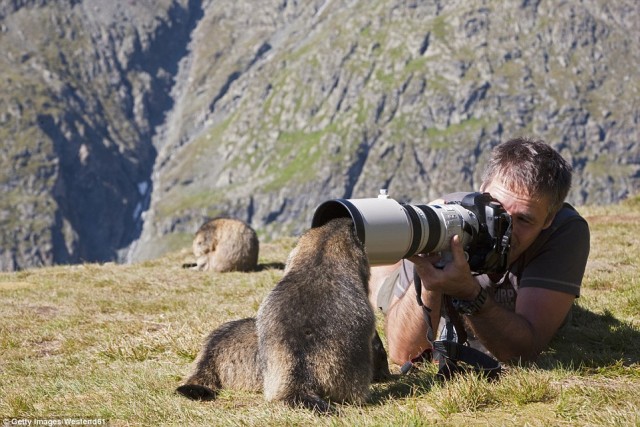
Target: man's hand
(453,279)
(508,335)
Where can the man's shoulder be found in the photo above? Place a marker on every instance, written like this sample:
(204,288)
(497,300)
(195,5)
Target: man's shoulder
(567,226)
(565,216)
(557,258)
(567,211)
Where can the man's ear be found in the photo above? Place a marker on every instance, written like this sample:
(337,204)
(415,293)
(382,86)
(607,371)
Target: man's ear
(549,220)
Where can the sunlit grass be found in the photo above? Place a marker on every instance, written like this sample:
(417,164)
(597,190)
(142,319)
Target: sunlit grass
(113,341)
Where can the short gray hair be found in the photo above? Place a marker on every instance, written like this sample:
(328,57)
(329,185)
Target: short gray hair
(533,166)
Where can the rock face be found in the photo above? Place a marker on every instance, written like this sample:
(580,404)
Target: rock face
(84,85)
(126,124)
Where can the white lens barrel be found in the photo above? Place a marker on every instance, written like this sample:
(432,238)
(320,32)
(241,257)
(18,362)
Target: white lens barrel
(391,231)
(453,219)
(388,230)
(382,225)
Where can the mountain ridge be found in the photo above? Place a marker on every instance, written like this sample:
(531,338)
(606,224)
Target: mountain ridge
(266,110)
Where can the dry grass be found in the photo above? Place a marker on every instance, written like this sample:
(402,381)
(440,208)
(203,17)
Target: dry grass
(113,341)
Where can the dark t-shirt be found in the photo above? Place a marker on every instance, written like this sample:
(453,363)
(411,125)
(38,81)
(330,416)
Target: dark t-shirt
(556,260)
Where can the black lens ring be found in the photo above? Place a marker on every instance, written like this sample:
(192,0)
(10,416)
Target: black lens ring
(416,230)
(433,222)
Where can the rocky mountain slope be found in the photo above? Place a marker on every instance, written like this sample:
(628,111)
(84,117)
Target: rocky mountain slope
(128,124)
(84,84)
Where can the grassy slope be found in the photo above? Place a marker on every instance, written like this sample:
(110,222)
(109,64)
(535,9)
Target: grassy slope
(113,341)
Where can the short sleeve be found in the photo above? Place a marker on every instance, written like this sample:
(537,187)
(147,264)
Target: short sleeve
(560,263)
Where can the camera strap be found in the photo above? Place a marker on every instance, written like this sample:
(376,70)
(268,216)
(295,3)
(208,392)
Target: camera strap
(452,353)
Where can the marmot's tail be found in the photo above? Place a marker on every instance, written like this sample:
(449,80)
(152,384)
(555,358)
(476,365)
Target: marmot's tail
(197,392)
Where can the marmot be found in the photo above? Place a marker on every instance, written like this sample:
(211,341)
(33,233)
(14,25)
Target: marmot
(315,334)
(229,359)
(226,244)
(316,326)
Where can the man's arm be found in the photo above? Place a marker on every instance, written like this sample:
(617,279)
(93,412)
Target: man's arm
(507,335)
(522,334)
(406,326)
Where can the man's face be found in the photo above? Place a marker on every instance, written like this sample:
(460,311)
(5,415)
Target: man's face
(529,215)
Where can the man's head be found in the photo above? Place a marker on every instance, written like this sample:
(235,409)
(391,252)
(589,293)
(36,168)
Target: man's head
(531,168)
(531,180)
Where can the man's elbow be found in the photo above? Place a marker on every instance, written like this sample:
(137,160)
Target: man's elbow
(518,355)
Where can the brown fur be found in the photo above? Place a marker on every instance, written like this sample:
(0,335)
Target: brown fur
(317,331)
(225,244)
(315,328)
(229,359)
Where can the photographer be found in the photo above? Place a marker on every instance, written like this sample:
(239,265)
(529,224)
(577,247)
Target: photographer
(513,316)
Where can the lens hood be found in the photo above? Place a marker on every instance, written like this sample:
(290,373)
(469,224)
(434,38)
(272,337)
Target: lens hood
(384,226)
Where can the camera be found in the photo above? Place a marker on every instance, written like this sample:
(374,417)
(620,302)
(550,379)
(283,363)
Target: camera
(391,230)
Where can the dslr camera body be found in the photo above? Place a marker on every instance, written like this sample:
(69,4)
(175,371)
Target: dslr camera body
(391,231)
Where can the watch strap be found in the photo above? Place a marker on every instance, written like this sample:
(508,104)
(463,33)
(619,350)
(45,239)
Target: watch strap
(469,307)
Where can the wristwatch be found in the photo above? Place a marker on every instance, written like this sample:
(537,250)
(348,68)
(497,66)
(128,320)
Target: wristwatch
(471,307)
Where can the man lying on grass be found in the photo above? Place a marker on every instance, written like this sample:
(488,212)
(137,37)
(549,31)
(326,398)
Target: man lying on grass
(515,315)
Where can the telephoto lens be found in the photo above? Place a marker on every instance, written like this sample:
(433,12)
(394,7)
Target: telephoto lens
(391,231)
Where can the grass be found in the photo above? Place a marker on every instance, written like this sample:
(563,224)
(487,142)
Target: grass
(113,341)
